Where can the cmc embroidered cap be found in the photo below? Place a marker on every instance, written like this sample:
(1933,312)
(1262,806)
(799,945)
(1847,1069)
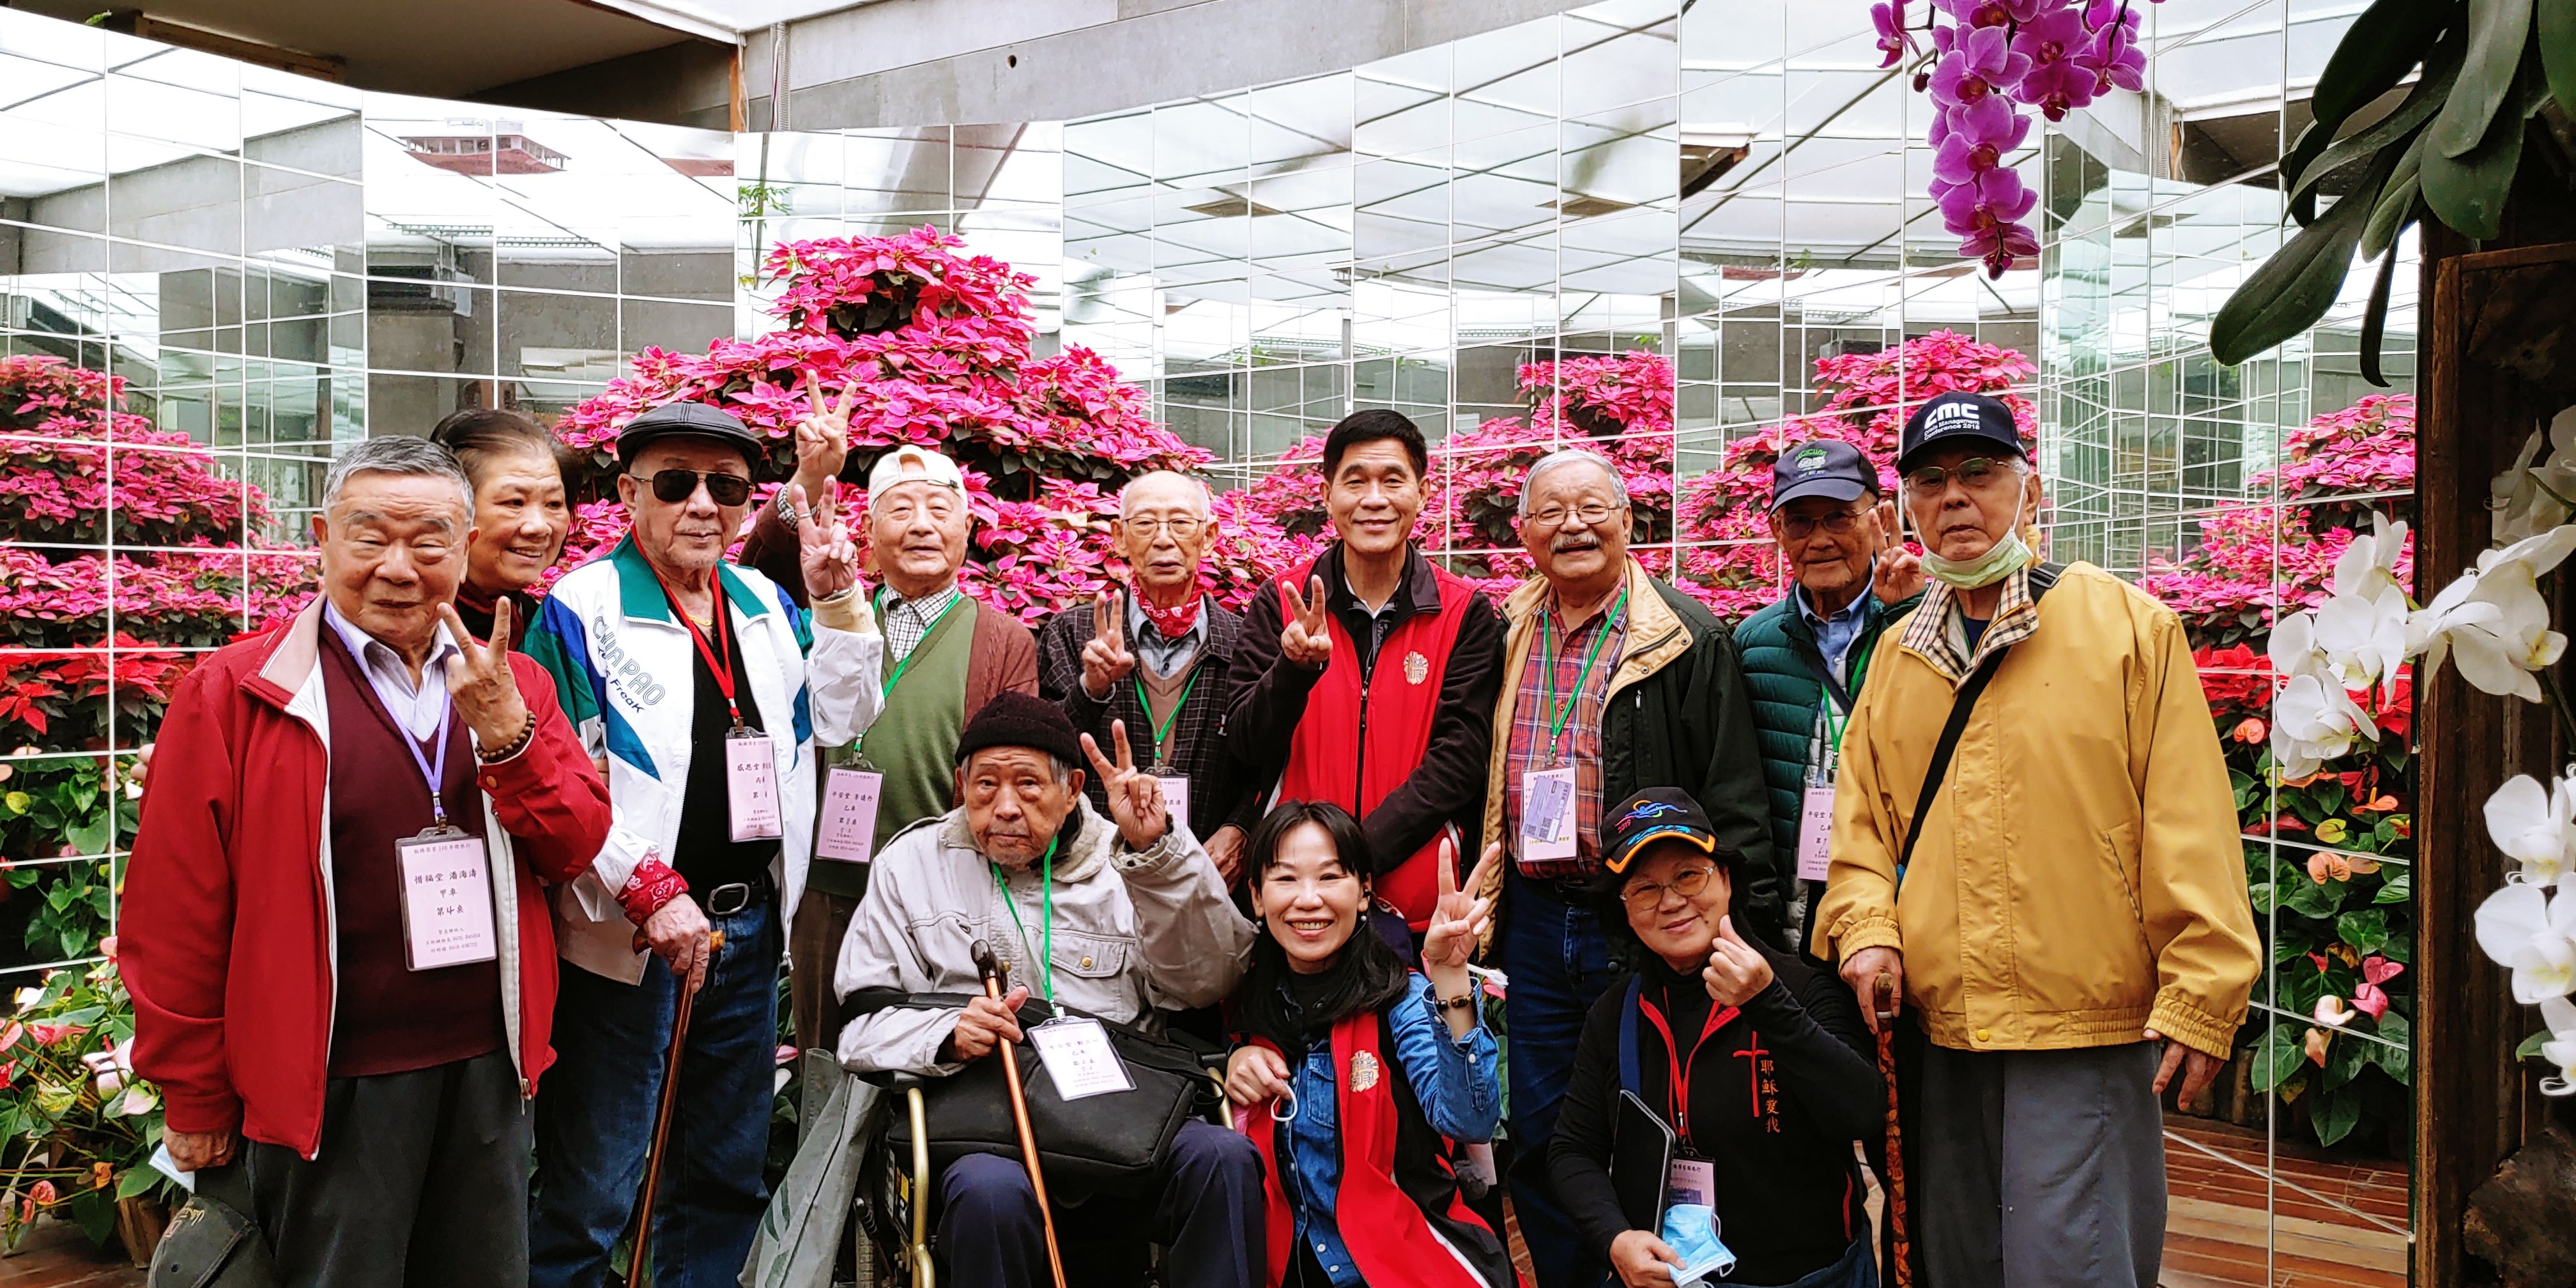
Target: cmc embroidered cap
(1973,419)
(1828,467)
(910,464)
(1655,814)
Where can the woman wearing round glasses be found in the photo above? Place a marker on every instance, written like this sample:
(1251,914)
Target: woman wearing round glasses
(1361,1078)
(1756,1062)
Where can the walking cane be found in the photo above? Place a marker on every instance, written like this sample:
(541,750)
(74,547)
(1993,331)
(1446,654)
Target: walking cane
(1903,1247)
(636,1257)
(992,972)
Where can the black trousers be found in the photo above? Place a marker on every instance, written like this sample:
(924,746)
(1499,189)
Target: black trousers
(1208,1214)
(422,1179)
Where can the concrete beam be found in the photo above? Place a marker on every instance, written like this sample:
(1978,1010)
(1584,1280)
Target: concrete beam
(933,62)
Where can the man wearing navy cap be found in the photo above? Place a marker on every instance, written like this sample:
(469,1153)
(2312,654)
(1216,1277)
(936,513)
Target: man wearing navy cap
(1805,655)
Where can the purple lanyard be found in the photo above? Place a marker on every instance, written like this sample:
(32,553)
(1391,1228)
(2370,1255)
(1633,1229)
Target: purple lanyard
(434,772)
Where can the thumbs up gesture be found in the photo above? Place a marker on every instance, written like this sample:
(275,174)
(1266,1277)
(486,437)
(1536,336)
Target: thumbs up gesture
(1736,970)
(1306,639)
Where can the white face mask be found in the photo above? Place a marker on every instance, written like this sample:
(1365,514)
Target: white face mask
(2003,559)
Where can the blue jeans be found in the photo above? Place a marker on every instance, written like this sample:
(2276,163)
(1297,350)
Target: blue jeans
(595,1116)
(1559,965)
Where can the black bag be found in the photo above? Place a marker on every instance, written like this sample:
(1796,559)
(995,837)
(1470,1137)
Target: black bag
(209,1244)
(1108,1144)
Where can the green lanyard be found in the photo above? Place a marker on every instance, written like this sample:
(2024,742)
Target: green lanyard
(1046,896)
(1164,730)
(1836,717)
(926,632)
(1559,714)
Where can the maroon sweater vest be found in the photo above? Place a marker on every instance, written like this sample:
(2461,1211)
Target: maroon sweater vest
(389,1018)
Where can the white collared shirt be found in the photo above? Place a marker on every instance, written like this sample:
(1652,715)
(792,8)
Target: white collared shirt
(416,707)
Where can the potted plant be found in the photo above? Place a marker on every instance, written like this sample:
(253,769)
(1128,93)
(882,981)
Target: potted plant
(77,1129)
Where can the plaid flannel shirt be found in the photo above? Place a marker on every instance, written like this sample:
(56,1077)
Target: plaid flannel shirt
(1528,748)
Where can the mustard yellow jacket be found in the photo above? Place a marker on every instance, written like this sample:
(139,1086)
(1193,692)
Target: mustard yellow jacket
(2079,878)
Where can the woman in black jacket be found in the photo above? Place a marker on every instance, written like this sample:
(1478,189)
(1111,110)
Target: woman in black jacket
(1769,1059)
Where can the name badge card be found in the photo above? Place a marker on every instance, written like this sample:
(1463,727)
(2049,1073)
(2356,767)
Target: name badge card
(847,831)
(1079,1059)
(1176,799)
(1815,830)
(751,785)
(1692,1180)
(447,899)
(1547,814)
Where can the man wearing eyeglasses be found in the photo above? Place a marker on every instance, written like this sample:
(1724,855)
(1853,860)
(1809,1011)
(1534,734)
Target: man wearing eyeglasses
(1154,654)
(704,690)
(1806,654)
(1614,683)
(2050,904)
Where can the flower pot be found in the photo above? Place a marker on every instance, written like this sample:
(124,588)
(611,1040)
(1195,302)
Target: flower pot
(139,1222)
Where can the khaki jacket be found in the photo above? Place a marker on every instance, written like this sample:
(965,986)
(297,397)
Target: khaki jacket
(2080,877)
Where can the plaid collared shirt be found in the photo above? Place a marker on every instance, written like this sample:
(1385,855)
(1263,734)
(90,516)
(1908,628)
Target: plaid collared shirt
(1558,660)
(1939,637)
(906,621)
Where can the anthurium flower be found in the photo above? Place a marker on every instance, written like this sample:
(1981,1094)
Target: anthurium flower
(2535,826)
(2533,934)
(2332,1013)
(2332,830)
(2317,1039)
(2375,971)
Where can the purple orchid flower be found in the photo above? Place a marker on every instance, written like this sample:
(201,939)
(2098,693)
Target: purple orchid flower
(1980,65)
(1975,138)
(2113,55)
(1893,40)
(2060,78)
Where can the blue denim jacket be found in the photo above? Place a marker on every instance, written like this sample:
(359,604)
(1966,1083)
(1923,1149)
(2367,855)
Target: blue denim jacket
(1454,1078)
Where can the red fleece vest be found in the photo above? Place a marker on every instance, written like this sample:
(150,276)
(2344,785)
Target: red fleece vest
(1384,1230)
(1357,743)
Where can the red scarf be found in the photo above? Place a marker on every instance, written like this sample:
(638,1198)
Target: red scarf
(1381,1226)
(1174,623)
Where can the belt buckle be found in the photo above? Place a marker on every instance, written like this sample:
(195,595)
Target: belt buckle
(740,892)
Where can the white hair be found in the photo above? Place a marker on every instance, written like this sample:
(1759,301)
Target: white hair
(396,454)
(1207,499)
(1570,456)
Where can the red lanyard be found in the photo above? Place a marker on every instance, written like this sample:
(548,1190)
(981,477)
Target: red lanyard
(1677,1091)
(720,664)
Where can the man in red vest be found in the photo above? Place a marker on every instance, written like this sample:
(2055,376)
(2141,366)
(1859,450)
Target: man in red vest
(1367,678)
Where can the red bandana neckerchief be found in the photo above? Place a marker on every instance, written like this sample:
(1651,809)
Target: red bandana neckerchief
(1174,623)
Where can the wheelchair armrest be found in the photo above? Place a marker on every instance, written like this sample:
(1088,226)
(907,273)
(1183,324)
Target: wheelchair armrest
(892,1079)
(1214,1061)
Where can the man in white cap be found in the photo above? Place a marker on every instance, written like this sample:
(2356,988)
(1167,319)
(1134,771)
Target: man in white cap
(945,657)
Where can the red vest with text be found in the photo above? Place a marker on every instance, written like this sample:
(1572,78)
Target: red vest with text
(1359,741)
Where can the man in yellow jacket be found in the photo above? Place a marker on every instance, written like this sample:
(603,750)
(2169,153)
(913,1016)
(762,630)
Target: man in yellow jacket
(2072,894)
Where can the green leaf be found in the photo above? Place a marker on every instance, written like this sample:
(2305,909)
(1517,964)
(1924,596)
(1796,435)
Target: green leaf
(2261,893)
(2530,1048)
(2346,1056)
(2498,30)
(96,1213)
(2277,1058)
(137,1180)
(2399,889)
(2334,1113)
(2376,52)
(2310,899)
(2441,72)
(2557,34)
(2300,281)
(2366,930)
(2396,208)
(2468,191)
(2399,949)
(2399,1060)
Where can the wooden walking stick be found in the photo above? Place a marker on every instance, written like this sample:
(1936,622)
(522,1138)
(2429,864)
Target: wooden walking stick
(992,972)
(1901,1246)
(643,1241)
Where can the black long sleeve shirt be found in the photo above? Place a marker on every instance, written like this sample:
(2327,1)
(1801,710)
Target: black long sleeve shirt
(1777,1096)
(1270,692)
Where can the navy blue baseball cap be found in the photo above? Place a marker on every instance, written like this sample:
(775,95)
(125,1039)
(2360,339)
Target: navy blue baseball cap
(1827,467)
(1655,814)
(1958,418)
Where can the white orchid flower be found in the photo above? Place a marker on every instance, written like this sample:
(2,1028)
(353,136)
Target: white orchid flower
(2369,565)
(2314,721)
(2533,496)
(2493,618)
(2535,826)
(2560,1050)
(2363,638)
(2533,934)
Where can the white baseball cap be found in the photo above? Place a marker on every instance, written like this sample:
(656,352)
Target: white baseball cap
(910,464)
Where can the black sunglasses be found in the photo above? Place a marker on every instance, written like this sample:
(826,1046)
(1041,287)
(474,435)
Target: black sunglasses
(676,486)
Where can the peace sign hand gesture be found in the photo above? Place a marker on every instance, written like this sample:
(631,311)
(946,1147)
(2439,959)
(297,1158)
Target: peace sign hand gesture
(1307,639)
(1459,919)
(823,437)
(1105,660)
(480,682)
(1897,575)
(1736,970)
(1135,798)
(824,550)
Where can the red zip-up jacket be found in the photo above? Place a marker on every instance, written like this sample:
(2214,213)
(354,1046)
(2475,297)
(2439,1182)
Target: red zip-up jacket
(227,935)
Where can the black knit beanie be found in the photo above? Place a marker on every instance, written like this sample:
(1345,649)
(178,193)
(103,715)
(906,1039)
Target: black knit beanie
(1016,719)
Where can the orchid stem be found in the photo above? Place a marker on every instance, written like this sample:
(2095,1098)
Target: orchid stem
(2558,705)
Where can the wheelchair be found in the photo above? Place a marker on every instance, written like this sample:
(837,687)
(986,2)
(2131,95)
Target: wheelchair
(894,1226)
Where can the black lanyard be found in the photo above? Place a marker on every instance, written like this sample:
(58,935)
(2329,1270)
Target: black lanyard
(1677,1091)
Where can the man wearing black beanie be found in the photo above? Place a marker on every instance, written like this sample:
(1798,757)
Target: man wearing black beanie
(1121,917)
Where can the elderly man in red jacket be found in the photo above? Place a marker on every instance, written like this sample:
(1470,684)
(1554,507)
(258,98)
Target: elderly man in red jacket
(342,963)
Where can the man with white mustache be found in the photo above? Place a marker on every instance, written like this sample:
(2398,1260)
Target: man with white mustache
(1615,682)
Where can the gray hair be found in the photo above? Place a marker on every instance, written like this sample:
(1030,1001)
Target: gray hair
(1569,456)
(1207,498)
(396,454)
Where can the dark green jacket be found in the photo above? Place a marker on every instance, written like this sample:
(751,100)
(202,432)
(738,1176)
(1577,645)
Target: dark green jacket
(1780,657)
(1676,717)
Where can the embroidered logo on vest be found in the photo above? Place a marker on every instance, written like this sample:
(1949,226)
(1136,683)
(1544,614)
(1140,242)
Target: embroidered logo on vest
(1364,1065)
(1416,667)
